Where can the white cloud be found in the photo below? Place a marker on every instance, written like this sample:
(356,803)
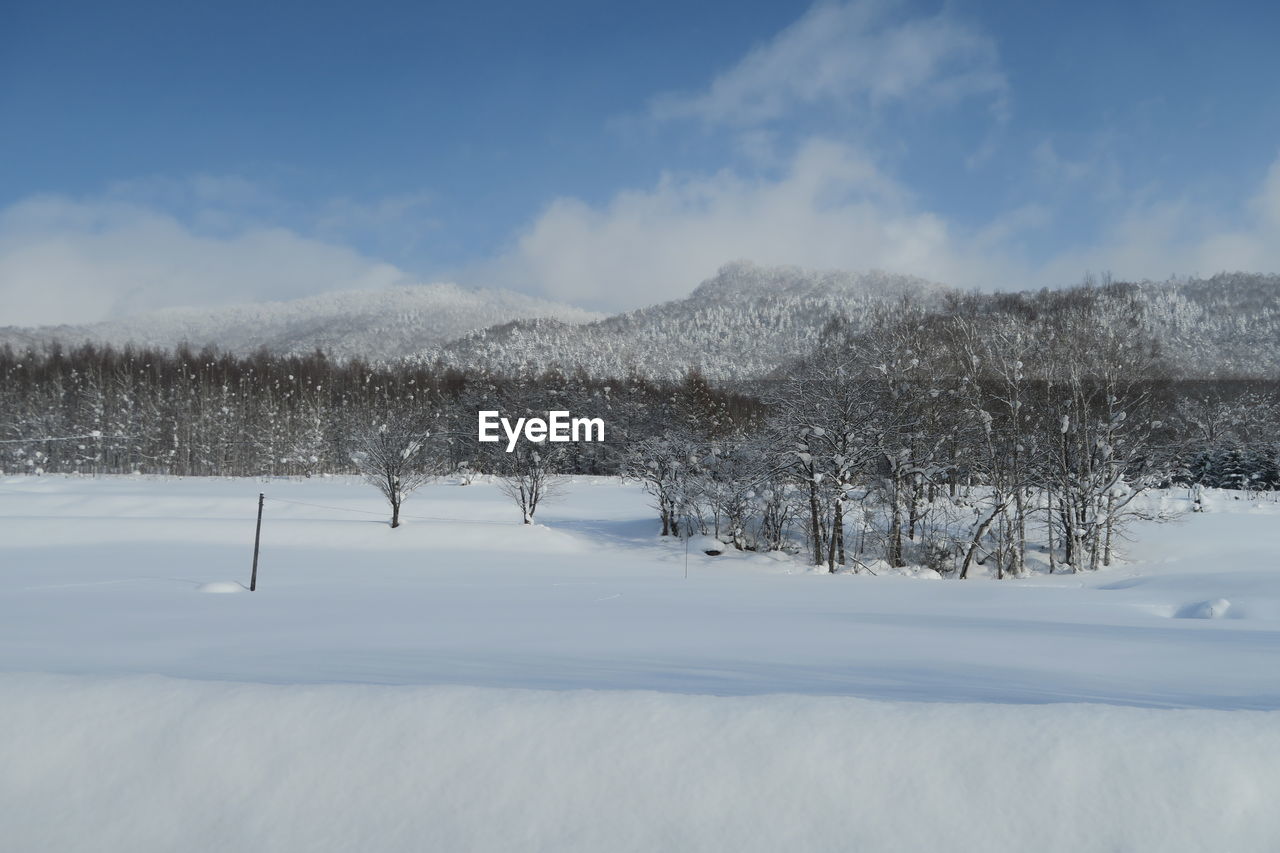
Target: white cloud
(1179,237)
(1092,168)
(396,224)
(1266,204)
(849,55)
(1052,168)
(830,208)
(64,260)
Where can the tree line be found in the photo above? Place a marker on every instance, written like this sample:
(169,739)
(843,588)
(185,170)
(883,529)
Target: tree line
(994,433)
(102,410)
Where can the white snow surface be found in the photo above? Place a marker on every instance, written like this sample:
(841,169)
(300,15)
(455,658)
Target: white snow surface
(466,682)
(220,587)
(372,324)
(150,764)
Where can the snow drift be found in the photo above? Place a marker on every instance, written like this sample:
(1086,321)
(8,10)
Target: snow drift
(156,764)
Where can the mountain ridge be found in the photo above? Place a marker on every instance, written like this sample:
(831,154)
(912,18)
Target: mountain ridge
(745,322)
(371,324)
(739,324)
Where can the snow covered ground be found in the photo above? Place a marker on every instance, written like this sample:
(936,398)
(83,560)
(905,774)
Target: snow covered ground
(468,683)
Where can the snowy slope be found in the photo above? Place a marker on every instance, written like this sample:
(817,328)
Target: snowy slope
(469,683)
(374,324)
(150,765)
(748,320)
(742,323)
(1227,325)
(465,594)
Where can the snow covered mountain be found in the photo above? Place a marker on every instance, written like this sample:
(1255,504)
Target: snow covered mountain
(742,323)
(1227,325)
(748,321)
(378,324)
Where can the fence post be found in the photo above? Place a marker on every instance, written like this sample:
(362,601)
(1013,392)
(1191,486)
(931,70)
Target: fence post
(257,537)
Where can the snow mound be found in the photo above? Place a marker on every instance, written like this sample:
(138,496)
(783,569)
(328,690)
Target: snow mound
(146,764)
(1215,609)
(220,587)
(883,568)
(707,545)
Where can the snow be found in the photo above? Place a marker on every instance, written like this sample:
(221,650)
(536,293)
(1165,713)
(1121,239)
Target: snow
(744,322)
(1206,609)
(706,545)
(151,764)
(220,587)
(98,576)
(470,682)
(371,324)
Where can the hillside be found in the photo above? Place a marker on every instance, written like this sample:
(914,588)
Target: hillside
(739,324)
(380,324)
(742,323)
(1227,325)
(749,320)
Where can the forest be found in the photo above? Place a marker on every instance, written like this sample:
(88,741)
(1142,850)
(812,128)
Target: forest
(975,433)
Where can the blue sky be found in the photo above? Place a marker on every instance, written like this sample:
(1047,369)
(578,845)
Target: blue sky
(171,153)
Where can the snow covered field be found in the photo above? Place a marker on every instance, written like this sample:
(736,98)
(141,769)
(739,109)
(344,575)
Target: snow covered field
(468,683)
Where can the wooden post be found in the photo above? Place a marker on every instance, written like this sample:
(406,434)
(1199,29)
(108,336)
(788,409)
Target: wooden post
(257,537)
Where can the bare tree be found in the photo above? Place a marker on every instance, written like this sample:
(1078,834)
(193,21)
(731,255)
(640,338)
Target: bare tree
(529,477)
(394,456)
(1106,384)
(995,396)
(661,465)
(826,428)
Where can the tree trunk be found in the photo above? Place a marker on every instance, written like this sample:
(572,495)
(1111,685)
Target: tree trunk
(895,527)
(1002,540)
(1068,533)
(1106,554)
(831,551)
(977,538)
(913,520)
(1053,557)
(815,523)
(1019,534)
(839,532)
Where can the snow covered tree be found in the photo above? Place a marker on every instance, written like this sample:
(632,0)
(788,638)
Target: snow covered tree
(528,475)
(661,465)
(394,456)
(827,432)
(1104,386)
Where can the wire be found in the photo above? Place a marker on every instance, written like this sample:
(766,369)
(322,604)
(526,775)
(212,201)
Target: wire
(349,509)
(43,440)
(322,506)
(379,513)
